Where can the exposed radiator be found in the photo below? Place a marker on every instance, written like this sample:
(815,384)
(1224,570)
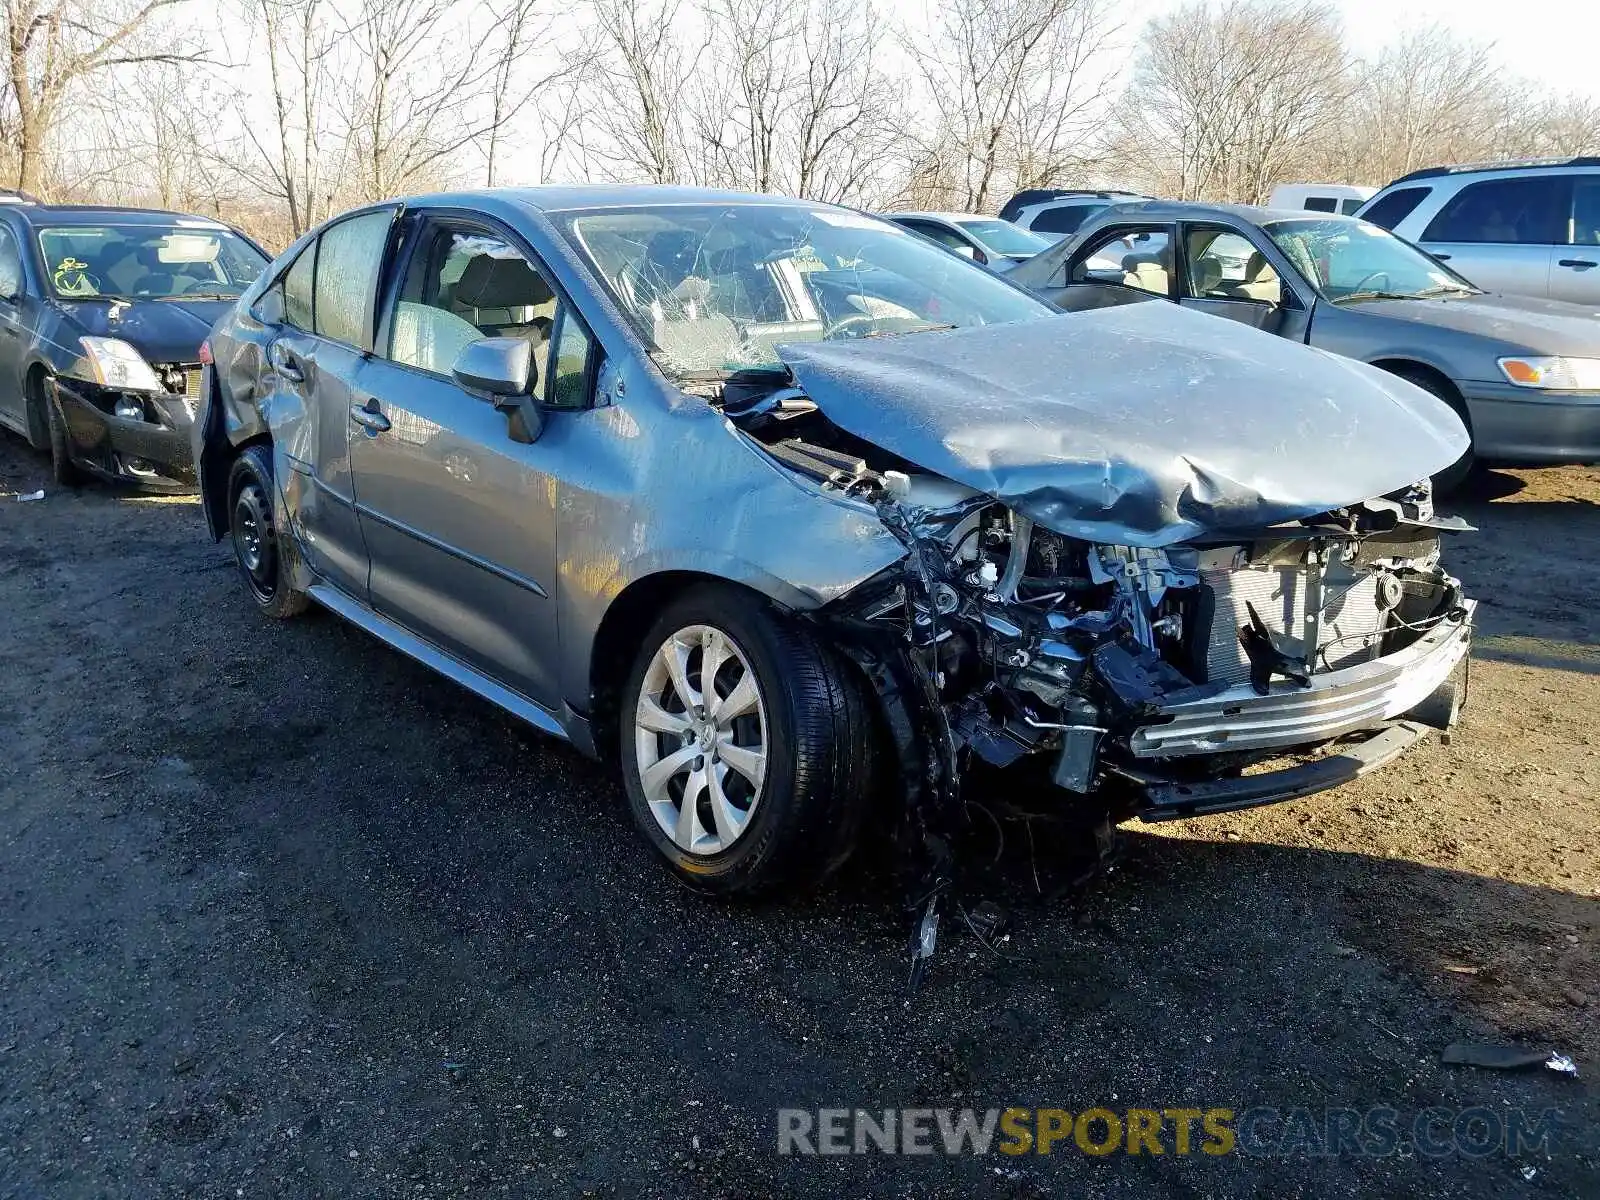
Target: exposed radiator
(1351,618)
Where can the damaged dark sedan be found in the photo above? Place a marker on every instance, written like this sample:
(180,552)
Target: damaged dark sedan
(104,311)
(776,505)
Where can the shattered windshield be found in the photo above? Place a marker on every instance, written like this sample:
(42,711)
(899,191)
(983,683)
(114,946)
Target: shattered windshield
(198,260)
(1355,260)
(717,288)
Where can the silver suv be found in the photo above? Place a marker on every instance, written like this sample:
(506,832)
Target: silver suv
(1528,228)
(1057,212)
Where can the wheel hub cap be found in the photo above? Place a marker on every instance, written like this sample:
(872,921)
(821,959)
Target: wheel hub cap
(700,735)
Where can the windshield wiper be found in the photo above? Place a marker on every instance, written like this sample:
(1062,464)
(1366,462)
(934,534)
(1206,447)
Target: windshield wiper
(932,326)
(1376,296)
(1445,289)
(199,296)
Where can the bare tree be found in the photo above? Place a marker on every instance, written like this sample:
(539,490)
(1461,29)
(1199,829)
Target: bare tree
(636,126)
(1228,100)
(51,45)
(743,106)
(1427,98)
(1012,93)
(285,162)
(850,128)
(526,27)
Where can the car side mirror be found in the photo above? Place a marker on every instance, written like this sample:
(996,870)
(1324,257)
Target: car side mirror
(966,251)
(502,368)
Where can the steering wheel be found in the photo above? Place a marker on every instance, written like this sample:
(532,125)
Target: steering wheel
(849,321)
(200,285)
(1362,285)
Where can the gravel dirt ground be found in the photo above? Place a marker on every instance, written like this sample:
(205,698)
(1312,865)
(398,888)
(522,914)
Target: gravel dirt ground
(284,915)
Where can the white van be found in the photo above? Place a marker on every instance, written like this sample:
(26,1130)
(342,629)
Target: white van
(1321,197)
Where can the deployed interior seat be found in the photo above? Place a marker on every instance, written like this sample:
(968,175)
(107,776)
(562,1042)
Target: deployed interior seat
(503,297)
(1146,272)
(1260,281)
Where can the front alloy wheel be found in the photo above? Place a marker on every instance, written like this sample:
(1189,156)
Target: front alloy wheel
(700,733)
(749,748)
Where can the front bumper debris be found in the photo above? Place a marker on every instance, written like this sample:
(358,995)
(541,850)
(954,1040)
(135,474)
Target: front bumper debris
(1174,801)
(1335,703)
(152,454)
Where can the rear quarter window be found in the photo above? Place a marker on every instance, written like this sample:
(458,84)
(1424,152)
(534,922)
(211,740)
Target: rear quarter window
(1393,207)
(1064,219)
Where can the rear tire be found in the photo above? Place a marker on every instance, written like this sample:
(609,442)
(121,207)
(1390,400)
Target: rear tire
(64,470)
(1458,472)
(267,559)
(779,760)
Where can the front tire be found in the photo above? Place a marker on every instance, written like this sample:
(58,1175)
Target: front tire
(267,559)
(62,468)
(1457,473)
(749,750)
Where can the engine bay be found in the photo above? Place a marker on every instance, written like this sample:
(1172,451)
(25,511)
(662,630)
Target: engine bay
(1031,642)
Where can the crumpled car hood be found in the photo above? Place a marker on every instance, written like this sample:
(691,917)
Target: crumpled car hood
(1143,424)
(161,330)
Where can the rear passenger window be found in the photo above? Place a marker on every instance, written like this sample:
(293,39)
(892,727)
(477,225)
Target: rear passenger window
(1389,210)
(349,257)
(1526,211)
(1135,258)
(1064,219)
(297,289)
(1320,204)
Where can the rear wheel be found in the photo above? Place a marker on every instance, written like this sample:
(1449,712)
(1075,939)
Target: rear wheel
(267,559)
(748,748)
(1456,474)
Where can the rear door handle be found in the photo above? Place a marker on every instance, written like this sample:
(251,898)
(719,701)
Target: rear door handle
(1442,257)
(368,417)
(285,363)
(1577,264)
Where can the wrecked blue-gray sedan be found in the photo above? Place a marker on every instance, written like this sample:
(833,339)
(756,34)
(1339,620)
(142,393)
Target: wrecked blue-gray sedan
(776,506)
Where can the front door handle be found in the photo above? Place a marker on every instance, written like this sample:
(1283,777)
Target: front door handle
(285,364)
(1442,257)
(1577,264)
(368,417)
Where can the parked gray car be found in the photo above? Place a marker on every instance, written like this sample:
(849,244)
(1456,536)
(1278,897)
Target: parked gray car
(780,507)
(1523,373)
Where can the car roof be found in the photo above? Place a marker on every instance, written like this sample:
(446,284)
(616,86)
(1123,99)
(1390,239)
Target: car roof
(564,197)
(1479,168)
(1194,210)
(101,214)
(924,215)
